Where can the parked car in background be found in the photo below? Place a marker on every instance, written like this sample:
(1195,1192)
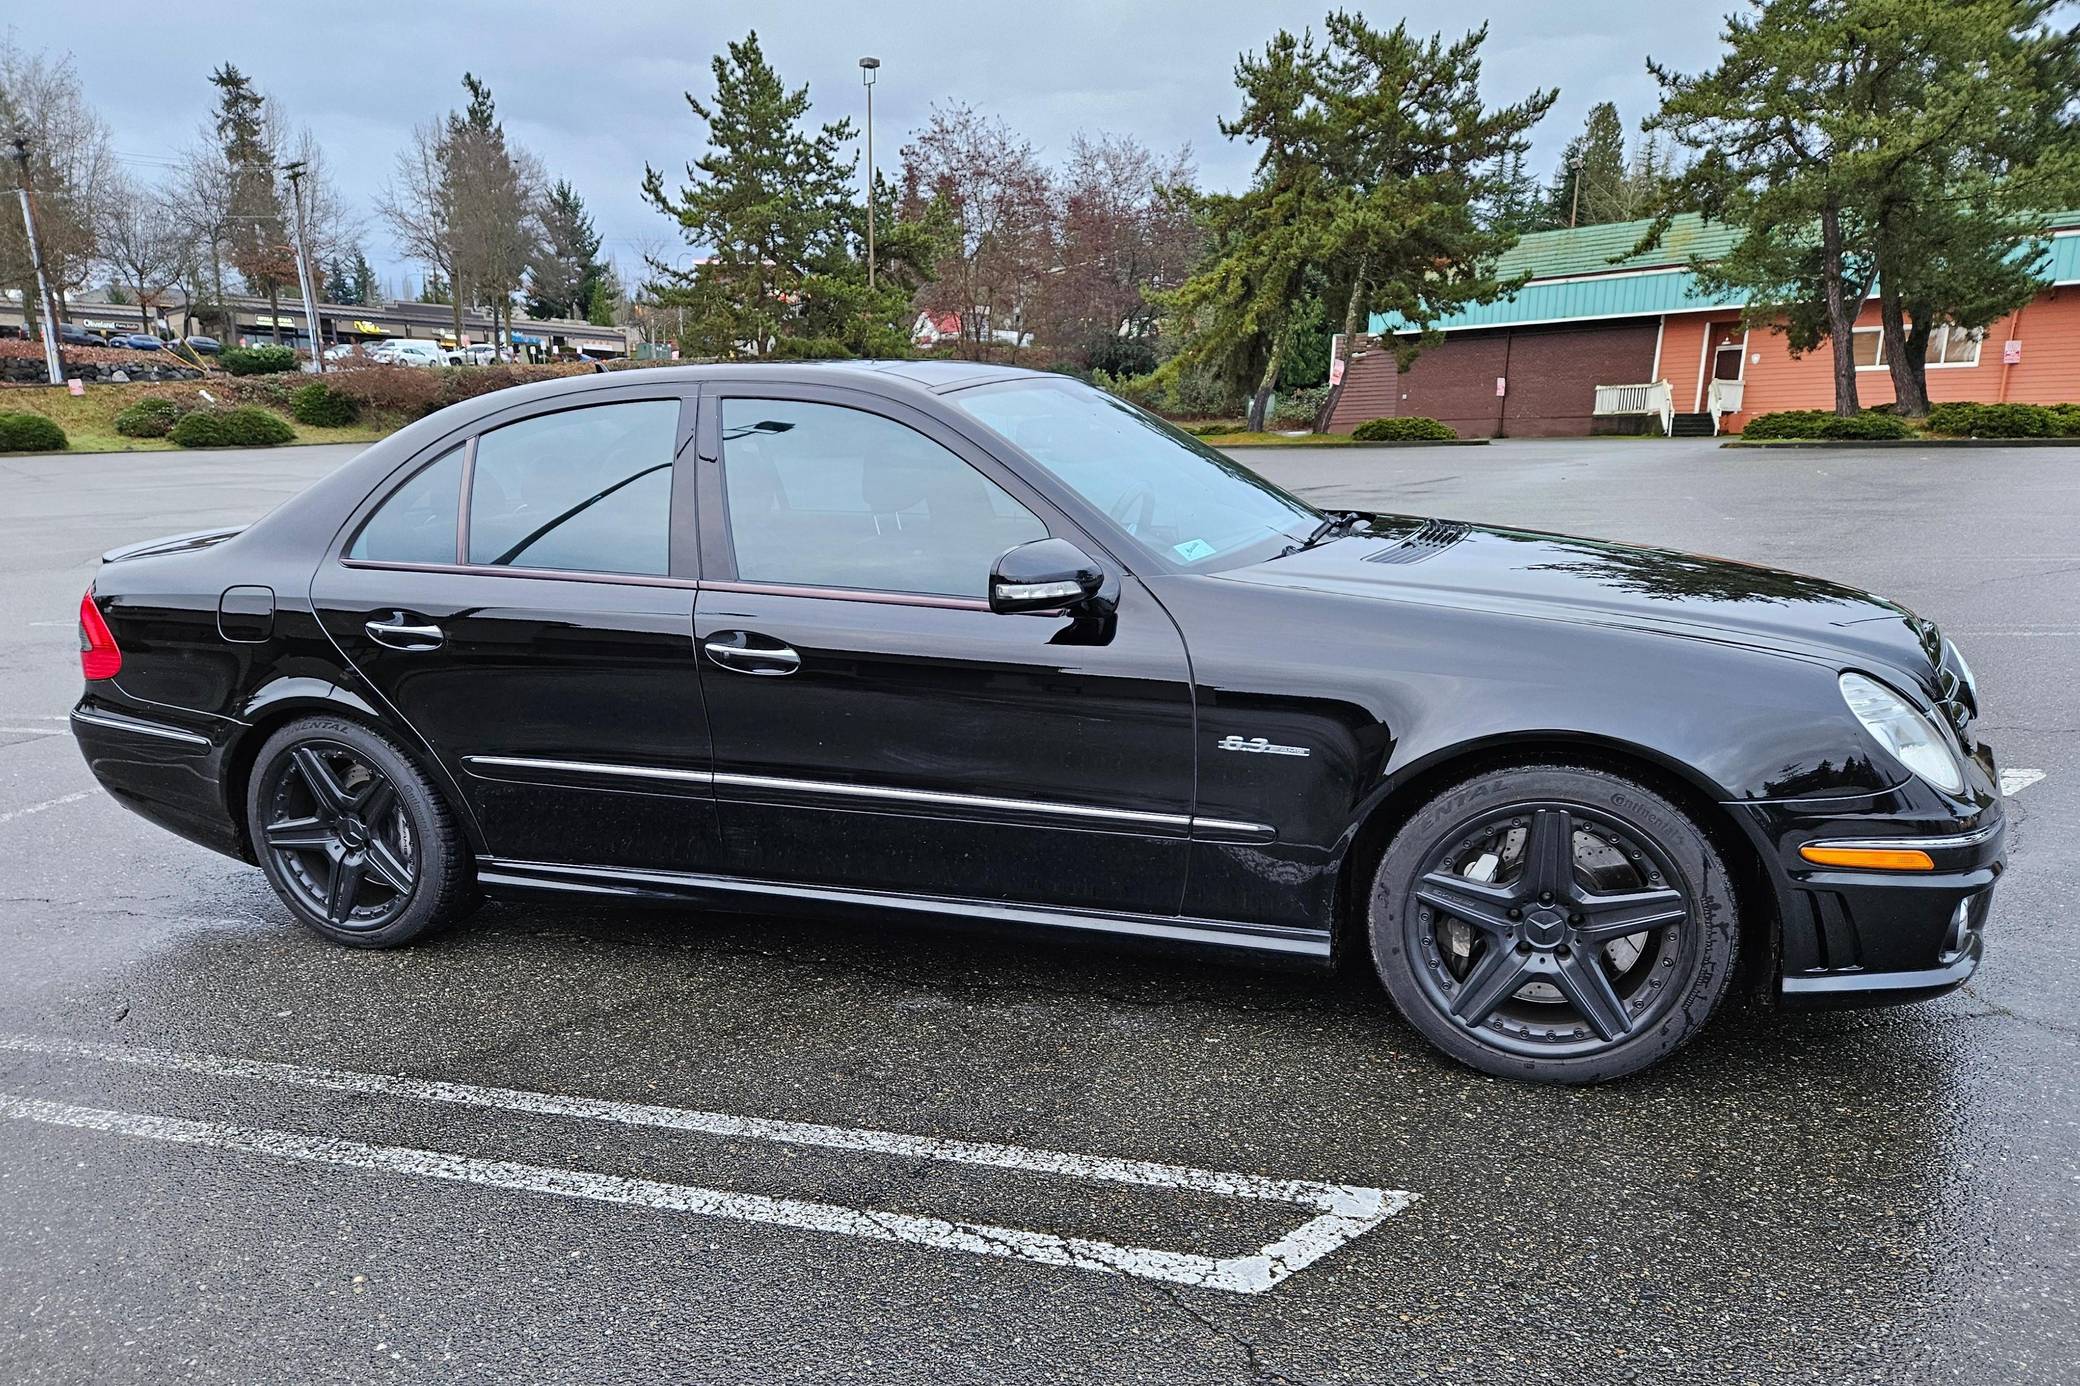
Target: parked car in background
(72,334)
(409,352)
(986,645)
(482,354)
(205,346)
(136,341)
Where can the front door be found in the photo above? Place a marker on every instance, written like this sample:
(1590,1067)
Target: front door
(520,603)
(875,725)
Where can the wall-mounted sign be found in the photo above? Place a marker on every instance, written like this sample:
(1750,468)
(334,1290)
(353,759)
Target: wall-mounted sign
(2011,352)
(371,329)
(1336,360)
(1501,386)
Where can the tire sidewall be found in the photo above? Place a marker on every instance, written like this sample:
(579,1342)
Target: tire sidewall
(438,866)
(1714,924)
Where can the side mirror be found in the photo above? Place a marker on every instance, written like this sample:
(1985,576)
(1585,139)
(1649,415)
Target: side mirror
(1045,575)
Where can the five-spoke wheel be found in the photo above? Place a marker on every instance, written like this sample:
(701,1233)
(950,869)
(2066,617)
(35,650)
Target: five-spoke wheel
(351,834)
(1553,922)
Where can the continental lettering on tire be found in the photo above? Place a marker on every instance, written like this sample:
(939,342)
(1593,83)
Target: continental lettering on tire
(1258,746)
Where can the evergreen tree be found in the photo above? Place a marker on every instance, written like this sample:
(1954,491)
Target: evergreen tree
(565,271)
(769,199)
(337,288)
(1593,184)
(258,231)
(361,277)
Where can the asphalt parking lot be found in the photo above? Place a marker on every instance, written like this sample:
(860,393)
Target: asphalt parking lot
(677,1147)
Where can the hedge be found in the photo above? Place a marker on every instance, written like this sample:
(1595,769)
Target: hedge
(262,360)
(1414,429)
(1966,420)
(1825,424)
(231,428)
(151,417)
(321,406)
(30,433)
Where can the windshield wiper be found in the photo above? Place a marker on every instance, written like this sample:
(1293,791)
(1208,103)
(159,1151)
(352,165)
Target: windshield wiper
(1333,525)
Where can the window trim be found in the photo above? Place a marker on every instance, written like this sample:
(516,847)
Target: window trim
(718,544)
(682,546)
(1977,337)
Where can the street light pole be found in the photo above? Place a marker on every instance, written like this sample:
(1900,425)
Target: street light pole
(868,67)
(296,170)
(53,364)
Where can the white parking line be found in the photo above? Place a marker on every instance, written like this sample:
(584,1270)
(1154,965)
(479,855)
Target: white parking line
(1344,1211)
(25,811)
(32,731)
(2015,781)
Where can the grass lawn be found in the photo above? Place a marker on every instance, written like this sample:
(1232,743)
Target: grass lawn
(89,419)
(1280,440)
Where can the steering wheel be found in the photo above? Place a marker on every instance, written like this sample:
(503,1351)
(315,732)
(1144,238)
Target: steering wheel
(1139,504)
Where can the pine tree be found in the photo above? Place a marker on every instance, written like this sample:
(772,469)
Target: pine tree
(1592,184)
(769,198)
(258,229)
(565,270)
(361,275)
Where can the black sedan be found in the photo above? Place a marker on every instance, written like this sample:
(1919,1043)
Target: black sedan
(990,646)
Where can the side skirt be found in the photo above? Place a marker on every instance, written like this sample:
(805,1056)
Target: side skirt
(497,874)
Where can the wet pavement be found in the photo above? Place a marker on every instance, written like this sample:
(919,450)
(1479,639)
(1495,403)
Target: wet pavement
(1878,1196)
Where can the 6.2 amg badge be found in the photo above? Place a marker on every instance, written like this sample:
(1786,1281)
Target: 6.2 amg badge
(1257,745)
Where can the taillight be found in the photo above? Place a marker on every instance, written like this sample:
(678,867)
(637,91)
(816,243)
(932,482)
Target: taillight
(98,656)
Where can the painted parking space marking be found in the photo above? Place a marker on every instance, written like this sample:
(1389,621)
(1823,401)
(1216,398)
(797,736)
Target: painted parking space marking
(1342,1212)
(32,731)
(2015,781)
(62,799)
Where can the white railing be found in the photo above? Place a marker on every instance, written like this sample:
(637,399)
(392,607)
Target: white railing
(1656,398)
(1723,398)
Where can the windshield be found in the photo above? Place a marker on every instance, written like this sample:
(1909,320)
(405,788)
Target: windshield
(1170,491)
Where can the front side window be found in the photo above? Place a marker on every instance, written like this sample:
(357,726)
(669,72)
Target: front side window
(1179,497)
(586,490)
(417,523)
(820,495)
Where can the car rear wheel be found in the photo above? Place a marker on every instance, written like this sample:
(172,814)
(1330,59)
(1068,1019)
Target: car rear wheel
(1554,922)
(353,836)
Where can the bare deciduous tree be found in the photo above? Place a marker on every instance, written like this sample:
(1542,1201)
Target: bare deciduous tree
(141,241)
(1001,200)
(70,166)
(1120,238)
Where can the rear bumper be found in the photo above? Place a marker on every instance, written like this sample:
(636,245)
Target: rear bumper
(1862,937)
(166,771)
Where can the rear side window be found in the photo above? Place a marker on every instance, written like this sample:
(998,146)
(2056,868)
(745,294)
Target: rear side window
(417,523)
(588,490)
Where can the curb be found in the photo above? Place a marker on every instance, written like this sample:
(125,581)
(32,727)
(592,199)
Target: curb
(1764,443)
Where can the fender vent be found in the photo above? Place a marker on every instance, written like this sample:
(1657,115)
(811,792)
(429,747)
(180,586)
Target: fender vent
(1433,538)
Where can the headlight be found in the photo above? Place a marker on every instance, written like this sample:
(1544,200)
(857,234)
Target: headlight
(1911,738)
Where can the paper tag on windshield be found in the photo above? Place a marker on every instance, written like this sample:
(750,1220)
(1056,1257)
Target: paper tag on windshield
(1192,550)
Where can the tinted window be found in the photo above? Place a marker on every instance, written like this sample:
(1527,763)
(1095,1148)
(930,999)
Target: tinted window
(825,496)
(1170,491)
(586,489)
(417,523)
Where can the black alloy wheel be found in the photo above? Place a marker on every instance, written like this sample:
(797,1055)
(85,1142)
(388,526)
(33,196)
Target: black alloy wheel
(1557,923)
(352,836)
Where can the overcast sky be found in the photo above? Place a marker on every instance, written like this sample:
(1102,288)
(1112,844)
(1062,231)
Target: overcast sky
(596,89)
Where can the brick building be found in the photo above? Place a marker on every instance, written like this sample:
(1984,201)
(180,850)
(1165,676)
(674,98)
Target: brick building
(1602,339)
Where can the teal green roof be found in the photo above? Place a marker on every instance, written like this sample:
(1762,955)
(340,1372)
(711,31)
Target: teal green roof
(1592,272)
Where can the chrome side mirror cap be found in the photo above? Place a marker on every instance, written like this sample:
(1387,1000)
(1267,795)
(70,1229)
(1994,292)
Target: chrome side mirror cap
(1045,575)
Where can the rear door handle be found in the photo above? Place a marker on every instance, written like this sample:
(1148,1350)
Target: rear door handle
(401,634)
(742,652)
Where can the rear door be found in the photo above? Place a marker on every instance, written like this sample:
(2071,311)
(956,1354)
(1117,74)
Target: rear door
(875,725)
(523,600)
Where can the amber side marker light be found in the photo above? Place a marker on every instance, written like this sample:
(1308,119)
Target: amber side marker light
(1869,858)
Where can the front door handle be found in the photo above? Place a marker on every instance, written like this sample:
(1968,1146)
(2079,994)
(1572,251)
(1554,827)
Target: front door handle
(742,652)
(401,634)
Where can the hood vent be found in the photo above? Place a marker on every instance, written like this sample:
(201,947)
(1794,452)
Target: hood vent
(1433,538)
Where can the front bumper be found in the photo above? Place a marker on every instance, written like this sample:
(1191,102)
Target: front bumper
(1856,937)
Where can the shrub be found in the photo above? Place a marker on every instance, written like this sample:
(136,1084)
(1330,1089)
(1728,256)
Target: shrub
(409,391)
(1825,424)
(151,417)
(2068,418)
(30,433)
(1122,356)
(269,391)
(321,406)
(261,360)
(1966,420)
(1410,430)
(1299,408)
(1215,428)
(231,428)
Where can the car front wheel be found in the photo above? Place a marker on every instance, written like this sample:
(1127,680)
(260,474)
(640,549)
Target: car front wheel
(1554,922)
(352,835)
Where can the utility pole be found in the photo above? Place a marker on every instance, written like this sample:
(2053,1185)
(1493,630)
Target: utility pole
(1576,209)
(296,171)
(868,67)
(46,309)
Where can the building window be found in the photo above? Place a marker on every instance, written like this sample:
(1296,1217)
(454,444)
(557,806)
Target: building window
(1948,345)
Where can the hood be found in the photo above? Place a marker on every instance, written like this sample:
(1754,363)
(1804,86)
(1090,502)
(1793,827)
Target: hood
(1439,562)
